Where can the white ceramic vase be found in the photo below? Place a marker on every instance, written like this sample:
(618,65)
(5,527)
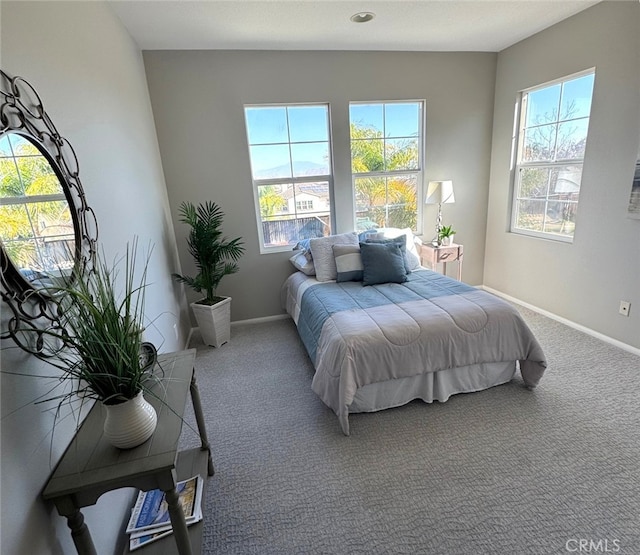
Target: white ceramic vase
(131,423)
(447,241)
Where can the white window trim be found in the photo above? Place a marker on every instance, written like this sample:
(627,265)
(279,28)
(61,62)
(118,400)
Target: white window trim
(419,173)
(518,141)
(256,183)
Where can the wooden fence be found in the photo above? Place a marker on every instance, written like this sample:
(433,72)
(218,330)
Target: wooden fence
(282,232)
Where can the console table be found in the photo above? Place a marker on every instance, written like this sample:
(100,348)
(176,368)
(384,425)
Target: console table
(91,466)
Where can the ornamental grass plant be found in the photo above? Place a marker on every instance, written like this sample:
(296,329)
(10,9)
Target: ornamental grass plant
(99,344)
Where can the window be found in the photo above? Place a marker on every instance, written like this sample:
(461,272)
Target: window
(303,205)
(554,121)
(290,152)
(35,220)
(387,163)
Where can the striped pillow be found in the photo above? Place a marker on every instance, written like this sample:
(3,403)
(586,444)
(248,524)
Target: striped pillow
(322,254)
(348,262)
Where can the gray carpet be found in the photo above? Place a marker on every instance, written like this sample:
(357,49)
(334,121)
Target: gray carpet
(504,471)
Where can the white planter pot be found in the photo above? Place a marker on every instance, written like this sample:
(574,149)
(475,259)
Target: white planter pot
(131,423)
(214,321)
(446,241)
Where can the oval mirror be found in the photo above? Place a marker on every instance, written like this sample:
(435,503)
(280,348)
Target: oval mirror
(47,229)
(38,228)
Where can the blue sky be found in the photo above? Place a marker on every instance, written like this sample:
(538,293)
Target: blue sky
(401,119)
(281,124)
(269,127)
(547,100)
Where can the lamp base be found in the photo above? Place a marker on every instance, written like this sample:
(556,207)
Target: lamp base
(436,242)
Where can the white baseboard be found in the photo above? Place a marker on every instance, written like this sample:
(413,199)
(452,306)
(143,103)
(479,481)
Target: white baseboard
(579,327)
(249,321)
(261,320)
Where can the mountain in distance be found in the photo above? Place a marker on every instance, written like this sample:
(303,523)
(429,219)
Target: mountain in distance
(302,168)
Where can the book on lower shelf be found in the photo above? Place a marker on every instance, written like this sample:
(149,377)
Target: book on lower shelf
(150,519)
(150,537)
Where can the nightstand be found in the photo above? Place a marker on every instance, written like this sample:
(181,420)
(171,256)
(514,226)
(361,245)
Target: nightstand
(431,256)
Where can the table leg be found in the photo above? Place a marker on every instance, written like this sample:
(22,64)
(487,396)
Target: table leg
(178,523)
(80,534)
(460,268)
(444,268)
(197,409)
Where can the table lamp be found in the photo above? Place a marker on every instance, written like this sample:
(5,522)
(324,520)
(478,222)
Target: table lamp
(439,192)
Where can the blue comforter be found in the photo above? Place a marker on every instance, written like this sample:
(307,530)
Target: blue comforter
(323,300)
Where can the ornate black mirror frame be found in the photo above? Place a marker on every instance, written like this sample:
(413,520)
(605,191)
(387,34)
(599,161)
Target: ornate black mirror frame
(22,113)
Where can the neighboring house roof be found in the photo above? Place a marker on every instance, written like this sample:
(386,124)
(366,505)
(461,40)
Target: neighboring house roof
(319,191)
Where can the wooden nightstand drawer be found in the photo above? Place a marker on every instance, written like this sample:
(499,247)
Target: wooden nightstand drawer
(432,256)
(448,254)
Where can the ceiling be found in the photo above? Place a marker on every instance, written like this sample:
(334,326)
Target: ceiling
(419,25)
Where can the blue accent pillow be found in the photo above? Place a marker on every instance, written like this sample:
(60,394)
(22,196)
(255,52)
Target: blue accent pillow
(303,245)
(401,241)
(382,263)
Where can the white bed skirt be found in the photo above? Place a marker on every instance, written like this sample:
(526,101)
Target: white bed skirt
(434,386)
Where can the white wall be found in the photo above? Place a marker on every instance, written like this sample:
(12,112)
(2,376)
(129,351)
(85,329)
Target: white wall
(583,281)
(198,98)
(90,75)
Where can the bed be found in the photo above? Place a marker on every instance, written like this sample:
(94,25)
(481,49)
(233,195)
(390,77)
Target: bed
(380,346)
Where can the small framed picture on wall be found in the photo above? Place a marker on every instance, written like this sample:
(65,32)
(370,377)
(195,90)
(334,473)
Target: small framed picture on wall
(634,199)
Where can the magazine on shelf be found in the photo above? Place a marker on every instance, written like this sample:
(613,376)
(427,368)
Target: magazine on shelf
(140,539)
(151,512)
(165,527)
(149,537)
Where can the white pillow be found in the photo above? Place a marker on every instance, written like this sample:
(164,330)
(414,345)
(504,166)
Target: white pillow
(322,253)
(413,257)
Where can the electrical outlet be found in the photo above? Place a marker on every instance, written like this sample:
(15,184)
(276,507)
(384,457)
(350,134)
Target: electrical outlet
(625,307)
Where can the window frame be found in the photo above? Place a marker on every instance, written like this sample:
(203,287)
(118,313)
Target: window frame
(518,141)
(29,201)
(293,180)
(419,172)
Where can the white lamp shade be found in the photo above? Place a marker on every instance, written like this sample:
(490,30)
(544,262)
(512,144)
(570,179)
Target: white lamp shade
(440,192)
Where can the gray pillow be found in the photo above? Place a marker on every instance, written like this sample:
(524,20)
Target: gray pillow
(401,241)
(382,263)
(348,262)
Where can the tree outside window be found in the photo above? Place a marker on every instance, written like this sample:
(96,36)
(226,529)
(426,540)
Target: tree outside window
(386,163)
(35,221)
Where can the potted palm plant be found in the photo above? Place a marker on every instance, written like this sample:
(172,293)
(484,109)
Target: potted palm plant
(98,346)
(216,256)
